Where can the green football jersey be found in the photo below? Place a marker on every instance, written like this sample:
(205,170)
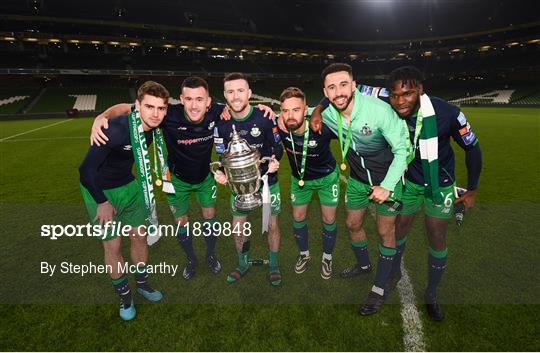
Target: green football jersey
(377,152)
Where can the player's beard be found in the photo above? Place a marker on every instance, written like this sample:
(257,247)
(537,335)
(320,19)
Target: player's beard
(294,126)
(348,98)
(241,109)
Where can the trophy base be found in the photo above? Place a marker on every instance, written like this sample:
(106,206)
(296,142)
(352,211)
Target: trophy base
(248,202)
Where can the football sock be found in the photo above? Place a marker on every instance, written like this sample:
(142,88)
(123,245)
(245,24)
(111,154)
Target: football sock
(186,242)
(273,261)
(210,239)
(121,286)
(400,248)
(360,251)
(300,231)
(141,278)
(243,258)
(329,235)
(384,266)
(436,266)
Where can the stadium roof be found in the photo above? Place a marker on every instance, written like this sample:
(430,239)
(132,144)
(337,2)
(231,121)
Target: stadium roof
(346,20)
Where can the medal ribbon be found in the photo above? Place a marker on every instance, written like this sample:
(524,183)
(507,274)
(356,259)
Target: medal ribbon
(344,149)
(302,168)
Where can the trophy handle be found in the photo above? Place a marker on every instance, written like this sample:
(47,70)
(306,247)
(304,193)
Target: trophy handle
(212,166)
(263,160)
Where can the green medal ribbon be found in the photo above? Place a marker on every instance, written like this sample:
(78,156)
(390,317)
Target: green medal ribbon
(344,149)
(159,143)
(301,170)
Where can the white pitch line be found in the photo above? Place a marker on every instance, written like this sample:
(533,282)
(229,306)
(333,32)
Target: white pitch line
(413,333)
(39,128)
(49,138)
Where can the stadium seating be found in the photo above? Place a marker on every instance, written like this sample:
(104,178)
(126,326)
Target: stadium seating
(58,99)
(533,99)
(93,94)
(12,100)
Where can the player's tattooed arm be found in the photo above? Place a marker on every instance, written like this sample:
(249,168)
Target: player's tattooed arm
(97,136)
(315,120)
(268,112)
(225,113)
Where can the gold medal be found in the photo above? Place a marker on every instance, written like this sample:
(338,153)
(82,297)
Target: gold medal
(158,182)
(300,182)
(343,166)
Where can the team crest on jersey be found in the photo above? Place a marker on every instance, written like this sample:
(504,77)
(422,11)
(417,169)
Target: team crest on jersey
(312,144)
(255,131)
(366,131)
(211,125)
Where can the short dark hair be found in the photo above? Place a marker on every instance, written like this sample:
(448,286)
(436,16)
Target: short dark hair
(235,76)
(336,67)
(194,82)
(292,92)
(405,74)
(154,89)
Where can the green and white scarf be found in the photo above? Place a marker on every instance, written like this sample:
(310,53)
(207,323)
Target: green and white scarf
(144,174)
(429,148)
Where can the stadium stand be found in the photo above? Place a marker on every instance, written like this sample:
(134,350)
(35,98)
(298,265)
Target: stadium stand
(88,64)
(12,100)
(59,99)
(532,99)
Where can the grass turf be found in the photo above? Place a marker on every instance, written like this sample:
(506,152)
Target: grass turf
(489,286)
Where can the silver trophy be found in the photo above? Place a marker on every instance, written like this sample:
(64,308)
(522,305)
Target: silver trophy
(241,163)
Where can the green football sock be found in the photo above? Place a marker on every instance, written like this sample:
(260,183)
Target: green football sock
(273,259)
(243,263)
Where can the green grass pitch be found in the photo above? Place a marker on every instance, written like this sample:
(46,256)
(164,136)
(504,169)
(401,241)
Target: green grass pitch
(490,289)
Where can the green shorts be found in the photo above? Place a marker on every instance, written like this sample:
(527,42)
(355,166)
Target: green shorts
(275,201)
(205,193)
(326,187)
(413,197)
(128,202)
(356,197)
